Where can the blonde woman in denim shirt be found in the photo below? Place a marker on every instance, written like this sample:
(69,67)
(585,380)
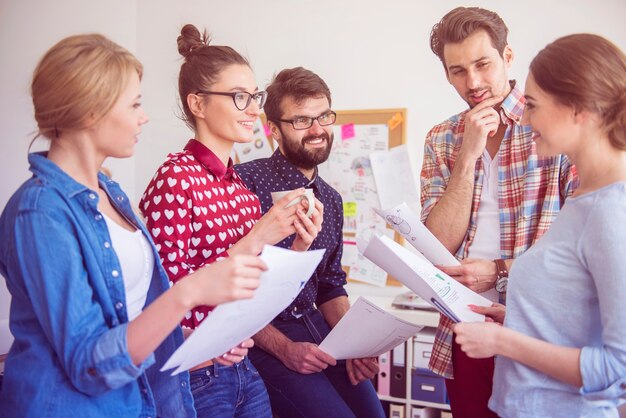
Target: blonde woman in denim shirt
(92,312)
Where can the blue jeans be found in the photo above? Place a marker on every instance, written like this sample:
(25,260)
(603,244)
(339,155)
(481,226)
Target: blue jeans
(325,394)
(235,391)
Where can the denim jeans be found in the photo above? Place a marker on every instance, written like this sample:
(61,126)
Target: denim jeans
(325,394)
(235,391)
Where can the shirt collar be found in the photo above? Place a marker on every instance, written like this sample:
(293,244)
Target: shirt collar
(290,172)
(42,167)
(512,107)
(208,159)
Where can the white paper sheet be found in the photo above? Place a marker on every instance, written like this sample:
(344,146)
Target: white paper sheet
(233,322)
(407,223)
(393,175)
(367,330)
(361,269)
(418,274)
(350,254)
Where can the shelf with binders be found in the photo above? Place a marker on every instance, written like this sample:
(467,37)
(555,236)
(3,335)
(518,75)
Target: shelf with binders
(402,394)
(405,382)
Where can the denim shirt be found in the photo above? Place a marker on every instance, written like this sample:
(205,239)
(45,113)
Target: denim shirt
(68,313)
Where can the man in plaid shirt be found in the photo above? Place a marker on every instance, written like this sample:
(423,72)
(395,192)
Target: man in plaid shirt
(484,192)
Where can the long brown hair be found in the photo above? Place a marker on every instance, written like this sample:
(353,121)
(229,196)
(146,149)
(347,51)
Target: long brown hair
(586,72)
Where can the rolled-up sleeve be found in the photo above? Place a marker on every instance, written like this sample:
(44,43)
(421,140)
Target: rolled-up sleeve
(603,367)
(60,293)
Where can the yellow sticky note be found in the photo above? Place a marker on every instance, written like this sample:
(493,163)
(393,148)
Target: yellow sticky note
(349,208)
(395,121)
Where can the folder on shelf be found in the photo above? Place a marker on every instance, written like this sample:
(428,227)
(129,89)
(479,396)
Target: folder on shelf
(420,412)
(423,343)
(384,373)
(396,411)
(417,412)
(397,386)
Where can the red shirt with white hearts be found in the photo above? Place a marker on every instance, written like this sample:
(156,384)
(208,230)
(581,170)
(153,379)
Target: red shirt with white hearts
(196,209)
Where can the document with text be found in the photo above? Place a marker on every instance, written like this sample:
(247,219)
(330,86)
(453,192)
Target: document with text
(407,223)
(231,323)
(367,330)
(418,274)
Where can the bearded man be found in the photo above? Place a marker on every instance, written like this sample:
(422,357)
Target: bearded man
(301,379)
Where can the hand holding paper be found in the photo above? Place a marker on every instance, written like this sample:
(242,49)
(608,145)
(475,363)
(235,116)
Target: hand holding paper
(447,295)
(231,323)
(366,331)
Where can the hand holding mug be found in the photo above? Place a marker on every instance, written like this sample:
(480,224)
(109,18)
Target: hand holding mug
(308,196)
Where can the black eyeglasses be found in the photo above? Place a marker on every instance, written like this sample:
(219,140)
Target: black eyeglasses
(305,122)
(241,99)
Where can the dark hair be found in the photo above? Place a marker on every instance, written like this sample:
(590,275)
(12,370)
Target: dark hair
(458,24)
(586,72)
(297,83)
(203,64)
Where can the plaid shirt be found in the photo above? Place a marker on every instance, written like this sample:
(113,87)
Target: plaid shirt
(531,191)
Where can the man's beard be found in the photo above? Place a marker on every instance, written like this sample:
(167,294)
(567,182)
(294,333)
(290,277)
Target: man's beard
(297,154)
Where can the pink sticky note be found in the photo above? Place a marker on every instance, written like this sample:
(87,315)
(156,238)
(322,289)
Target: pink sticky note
(347,131)
(268,132)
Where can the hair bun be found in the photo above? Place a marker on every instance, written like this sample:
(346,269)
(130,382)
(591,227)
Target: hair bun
(190,39)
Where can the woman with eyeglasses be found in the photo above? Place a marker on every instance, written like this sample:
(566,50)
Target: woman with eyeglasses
(199,210)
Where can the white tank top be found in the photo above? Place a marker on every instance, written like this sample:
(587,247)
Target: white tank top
(486,244)
(137,263)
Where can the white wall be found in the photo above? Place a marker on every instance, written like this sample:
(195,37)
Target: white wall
(27,29)
(372,54)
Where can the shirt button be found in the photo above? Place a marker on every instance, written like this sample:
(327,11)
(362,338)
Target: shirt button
(98,217)
(107,244)
(183,384)
(120,198)
(115,273)
(119,305)
(92,196)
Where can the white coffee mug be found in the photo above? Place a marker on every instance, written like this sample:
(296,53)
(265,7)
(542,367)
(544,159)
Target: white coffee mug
(308,195)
